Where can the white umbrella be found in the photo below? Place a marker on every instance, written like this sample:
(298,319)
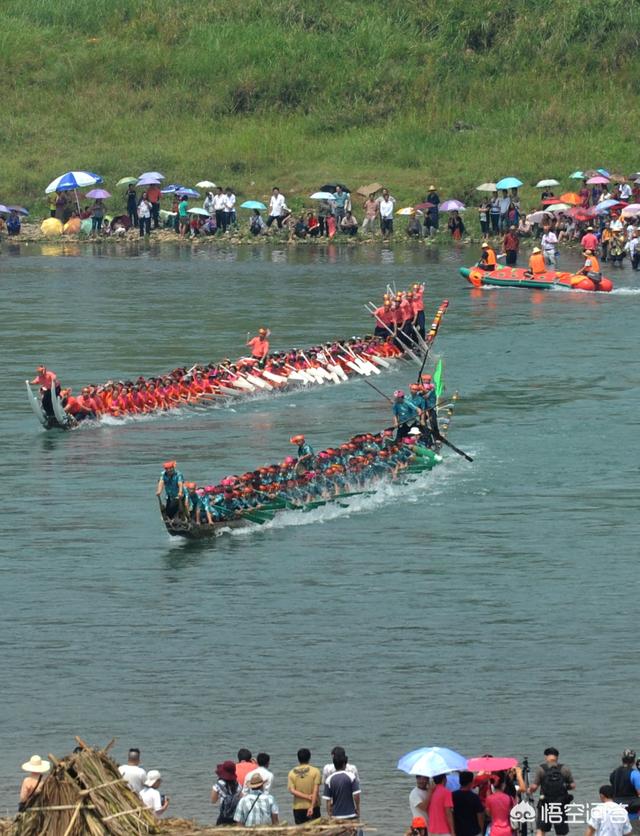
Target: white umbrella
(631,210)
(205,184)
(321,196)
(198,211)
(154,174)
(557,207)
(486,187)
(432,760)
(535,217)
(541,184)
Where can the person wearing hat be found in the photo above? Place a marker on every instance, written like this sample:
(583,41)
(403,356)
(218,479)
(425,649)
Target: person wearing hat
(259,345)
(418,827)
(405,414)
(257,807)
(432,216)
(37,768)
(306,456)
(488,259)
(150,793)
(227,791)
(591,267)
(589,240)
(536,263)
(171,481)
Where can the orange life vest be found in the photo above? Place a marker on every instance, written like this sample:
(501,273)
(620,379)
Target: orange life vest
(536,263)
(490,257)
(595,264)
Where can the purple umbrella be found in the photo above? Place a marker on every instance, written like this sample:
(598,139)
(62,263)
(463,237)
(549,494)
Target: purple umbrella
(101,194)
(19,209)
(452,206)
(4,209)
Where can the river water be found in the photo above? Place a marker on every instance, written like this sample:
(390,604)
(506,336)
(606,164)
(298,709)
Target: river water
(488,609)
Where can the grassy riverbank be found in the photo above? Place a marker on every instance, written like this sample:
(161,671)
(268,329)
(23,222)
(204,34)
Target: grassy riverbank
(266,91)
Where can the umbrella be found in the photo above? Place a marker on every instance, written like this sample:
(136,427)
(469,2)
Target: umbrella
(604,172)
(452,205)
(570,197)
(252,204)
(578,213)
(4,209)
(19,209)
(148,181)
(155,174)
(321,195)
(558,207)
(536,217)
(183,192)
(85,227)
(487,187)
(432,760)
(51,227)
(407,210)
(605,205)
(198,211)
(205,184)
(102,194)
(577,175)
(72,226)
(618,178)
(372,188)
(597,180)
(126,181)
(73,180)
(542,184)
(173,188)
(549,201)
(508,183)
(425,205)
(489,764)
(165,213)
(631,210)
(331,187)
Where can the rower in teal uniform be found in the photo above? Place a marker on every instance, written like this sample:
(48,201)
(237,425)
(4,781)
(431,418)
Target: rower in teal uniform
(172,482)
(405,414)
(228,506)
(306,456)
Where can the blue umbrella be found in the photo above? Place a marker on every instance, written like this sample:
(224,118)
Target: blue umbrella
(577,175)
(432,760)
(604,172)
(508,183)
(173,188)
(605,205)
(187,192)
(252,204)
(73,180)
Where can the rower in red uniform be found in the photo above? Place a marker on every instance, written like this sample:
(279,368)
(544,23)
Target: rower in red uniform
(418,308)
(385,319)
(260,346)
(45,380)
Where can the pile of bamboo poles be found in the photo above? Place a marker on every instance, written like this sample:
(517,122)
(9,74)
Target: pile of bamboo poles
(85,795)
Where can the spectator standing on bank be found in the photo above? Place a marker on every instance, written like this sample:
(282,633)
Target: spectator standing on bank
(303,783)
(554,781)
(608,818)
(386,207)
(277,208)
(132,771)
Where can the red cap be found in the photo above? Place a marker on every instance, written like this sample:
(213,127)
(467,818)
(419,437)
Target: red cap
(169,465)
(419,821)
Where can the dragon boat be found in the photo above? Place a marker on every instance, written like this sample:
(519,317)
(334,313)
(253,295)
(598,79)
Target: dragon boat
(353,470)
(519,277)
(225,382)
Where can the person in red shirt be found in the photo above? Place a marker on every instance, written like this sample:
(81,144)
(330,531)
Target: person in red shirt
(153,193)
(440,809)
(498,805)
(245,765)
(260,345)
(589,241)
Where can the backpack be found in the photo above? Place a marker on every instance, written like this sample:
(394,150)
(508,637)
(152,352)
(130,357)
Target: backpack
(553,787)
(228,804)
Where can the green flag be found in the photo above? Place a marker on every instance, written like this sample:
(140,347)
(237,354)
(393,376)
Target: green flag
(437,379)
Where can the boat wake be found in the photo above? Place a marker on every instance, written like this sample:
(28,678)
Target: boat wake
(625,291)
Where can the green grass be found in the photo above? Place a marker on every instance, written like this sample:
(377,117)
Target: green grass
(257,92)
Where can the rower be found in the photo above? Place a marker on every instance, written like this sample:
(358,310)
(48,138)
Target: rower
(536,263)
(172,482)
(260,346)
(416,397)
(488,260)
(306,456)
(591,267)
(431,398)
(405,414)
(385,319)
(418,308)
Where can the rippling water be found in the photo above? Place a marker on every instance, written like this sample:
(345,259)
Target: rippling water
(486,610)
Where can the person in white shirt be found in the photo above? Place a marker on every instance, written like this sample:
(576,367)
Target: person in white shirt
(617,225)
(208,204)
(386,205)
(277,208)
(419,797)
(633,249)
(625,191)
(263,770)
(230,207)
(608,818)
(219,207)
(549,243)
(328,769)
(132,772)
(150,793)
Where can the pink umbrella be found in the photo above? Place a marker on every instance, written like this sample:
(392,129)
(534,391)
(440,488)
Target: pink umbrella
(426,205)
(101,194)
(631,210)
(598,180)
(489,764)
(452,206)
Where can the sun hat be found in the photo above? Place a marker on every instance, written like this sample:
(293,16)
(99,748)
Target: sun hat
(256,780)
(485,245)
(226,770)
(168,465)
(153,775)
(419,821)
(535,250)
(414,431)
(36,764)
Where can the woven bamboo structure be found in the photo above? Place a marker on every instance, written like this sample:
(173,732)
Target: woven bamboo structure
(85,795)
(320,827)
